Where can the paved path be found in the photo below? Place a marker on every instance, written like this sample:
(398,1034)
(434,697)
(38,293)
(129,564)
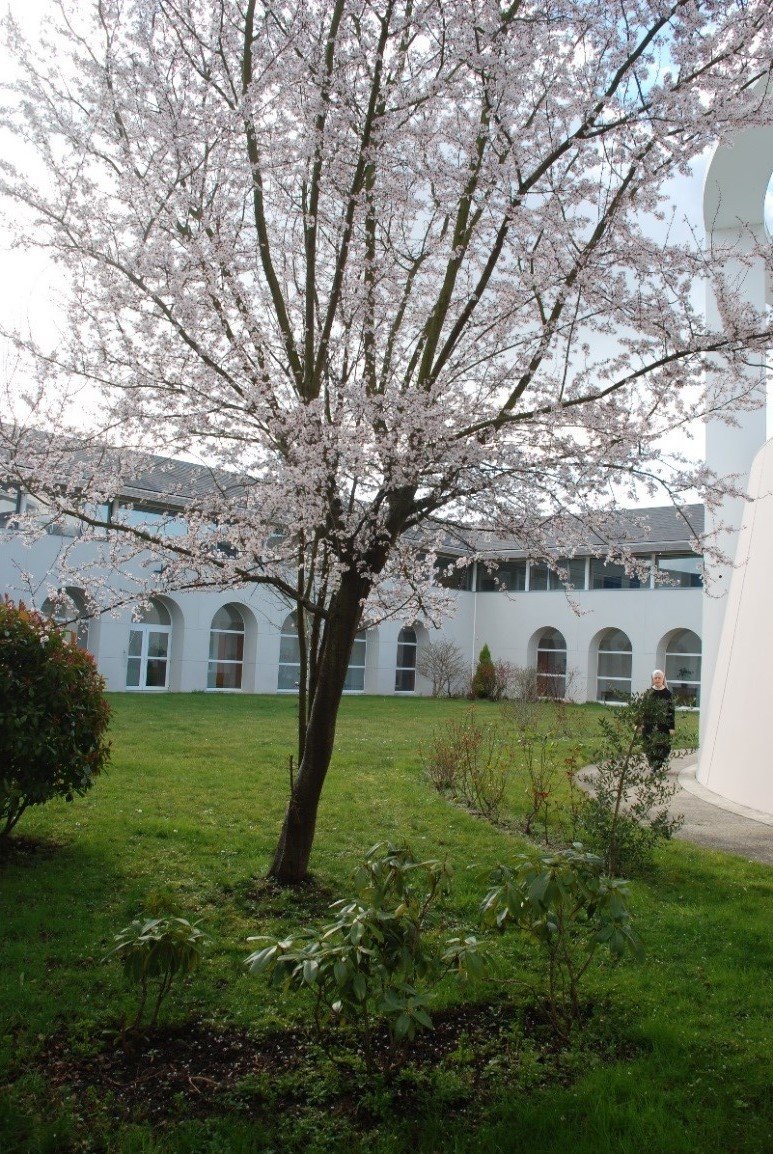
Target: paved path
(715,822)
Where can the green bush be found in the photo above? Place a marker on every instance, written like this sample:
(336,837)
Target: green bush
(484,680)
(375,959)
(157,950)
(54,715)
(565,903)
(628,813)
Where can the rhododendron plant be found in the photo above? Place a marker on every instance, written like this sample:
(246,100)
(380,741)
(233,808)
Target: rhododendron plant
(389,266)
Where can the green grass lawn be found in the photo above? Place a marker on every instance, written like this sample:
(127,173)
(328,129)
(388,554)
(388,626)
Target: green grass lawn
(675,1057)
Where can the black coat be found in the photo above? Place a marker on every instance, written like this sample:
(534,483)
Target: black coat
(659,712)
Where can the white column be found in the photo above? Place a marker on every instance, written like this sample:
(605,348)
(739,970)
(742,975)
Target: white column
(734,204)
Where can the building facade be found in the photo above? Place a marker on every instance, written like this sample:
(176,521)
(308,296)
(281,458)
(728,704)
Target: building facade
(596,638)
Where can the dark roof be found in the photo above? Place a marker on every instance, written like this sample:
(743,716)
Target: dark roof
(174,482)
(646,530)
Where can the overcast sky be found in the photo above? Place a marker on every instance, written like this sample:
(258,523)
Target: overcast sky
(28,283)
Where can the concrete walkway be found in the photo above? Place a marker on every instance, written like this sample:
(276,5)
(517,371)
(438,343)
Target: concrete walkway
(715,822)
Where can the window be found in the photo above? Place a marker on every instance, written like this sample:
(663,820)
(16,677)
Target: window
(289,657)
(538,575)
(226,649)
(451,576)
(609,575)
(355,674)
(405,670)
(575,567)
(67,609)
(683,571)
(155,518)
(290,660)
(551,665)
(508,575)
(683,668)
(9,504)
(147,664)
(613,681)
(55,523)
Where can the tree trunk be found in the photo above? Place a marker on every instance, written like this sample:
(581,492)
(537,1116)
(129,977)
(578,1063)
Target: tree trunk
(291,860)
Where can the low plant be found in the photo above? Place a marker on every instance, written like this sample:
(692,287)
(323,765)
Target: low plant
(375,958)
(444,665)
(484,679)
(470,760)
(567,904)
(155,951)
(55,716)
(627,813)
(555,798)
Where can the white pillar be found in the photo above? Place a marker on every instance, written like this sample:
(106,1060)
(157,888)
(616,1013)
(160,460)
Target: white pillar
(733,209)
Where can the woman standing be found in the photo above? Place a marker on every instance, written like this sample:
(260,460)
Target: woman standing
(659,721)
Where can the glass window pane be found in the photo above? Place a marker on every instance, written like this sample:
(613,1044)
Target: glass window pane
(610,575)
(407,636)
(9,503)
(158,644)
(289,650)
(135,642)
(228,618)
(552,639)
(451,576)
(155,677)
(154,518)
(685,642)
(615,665)
(224,675)
(289,676)
(615,640)
(355,680)
(406,656)
(680,668)
(156,614)
(226,646)
(510,576)
(610,690)
(359,650)
(133,672)
(405,680)
(686,571)
(575,566)
(551,661)
(538,576)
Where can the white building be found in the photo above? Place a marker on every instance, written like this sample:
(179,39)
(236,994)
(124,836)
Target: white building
(600,642)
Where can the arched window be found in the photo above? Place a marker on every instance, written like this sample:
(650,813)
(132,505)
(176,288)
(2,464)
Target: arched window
(683,668)
(290,660)
(551,665)
(147,665)
(226,649)
(405,671)
(613,681)
(67,609)
(289,656)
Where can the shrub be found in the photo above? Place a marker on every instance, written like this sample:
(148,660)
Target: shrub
(375,957)
(566,904)
(628,812)
(54,715)
(484,681)
(157,950)
(469,760)
(444,664)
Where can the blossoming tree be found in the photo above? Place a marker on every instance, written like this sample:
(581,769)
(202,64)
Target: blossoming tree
(389,266)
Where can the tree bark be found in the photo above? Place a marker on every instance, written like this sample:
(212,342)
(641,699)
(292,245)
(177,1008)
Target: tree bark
(291,860)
